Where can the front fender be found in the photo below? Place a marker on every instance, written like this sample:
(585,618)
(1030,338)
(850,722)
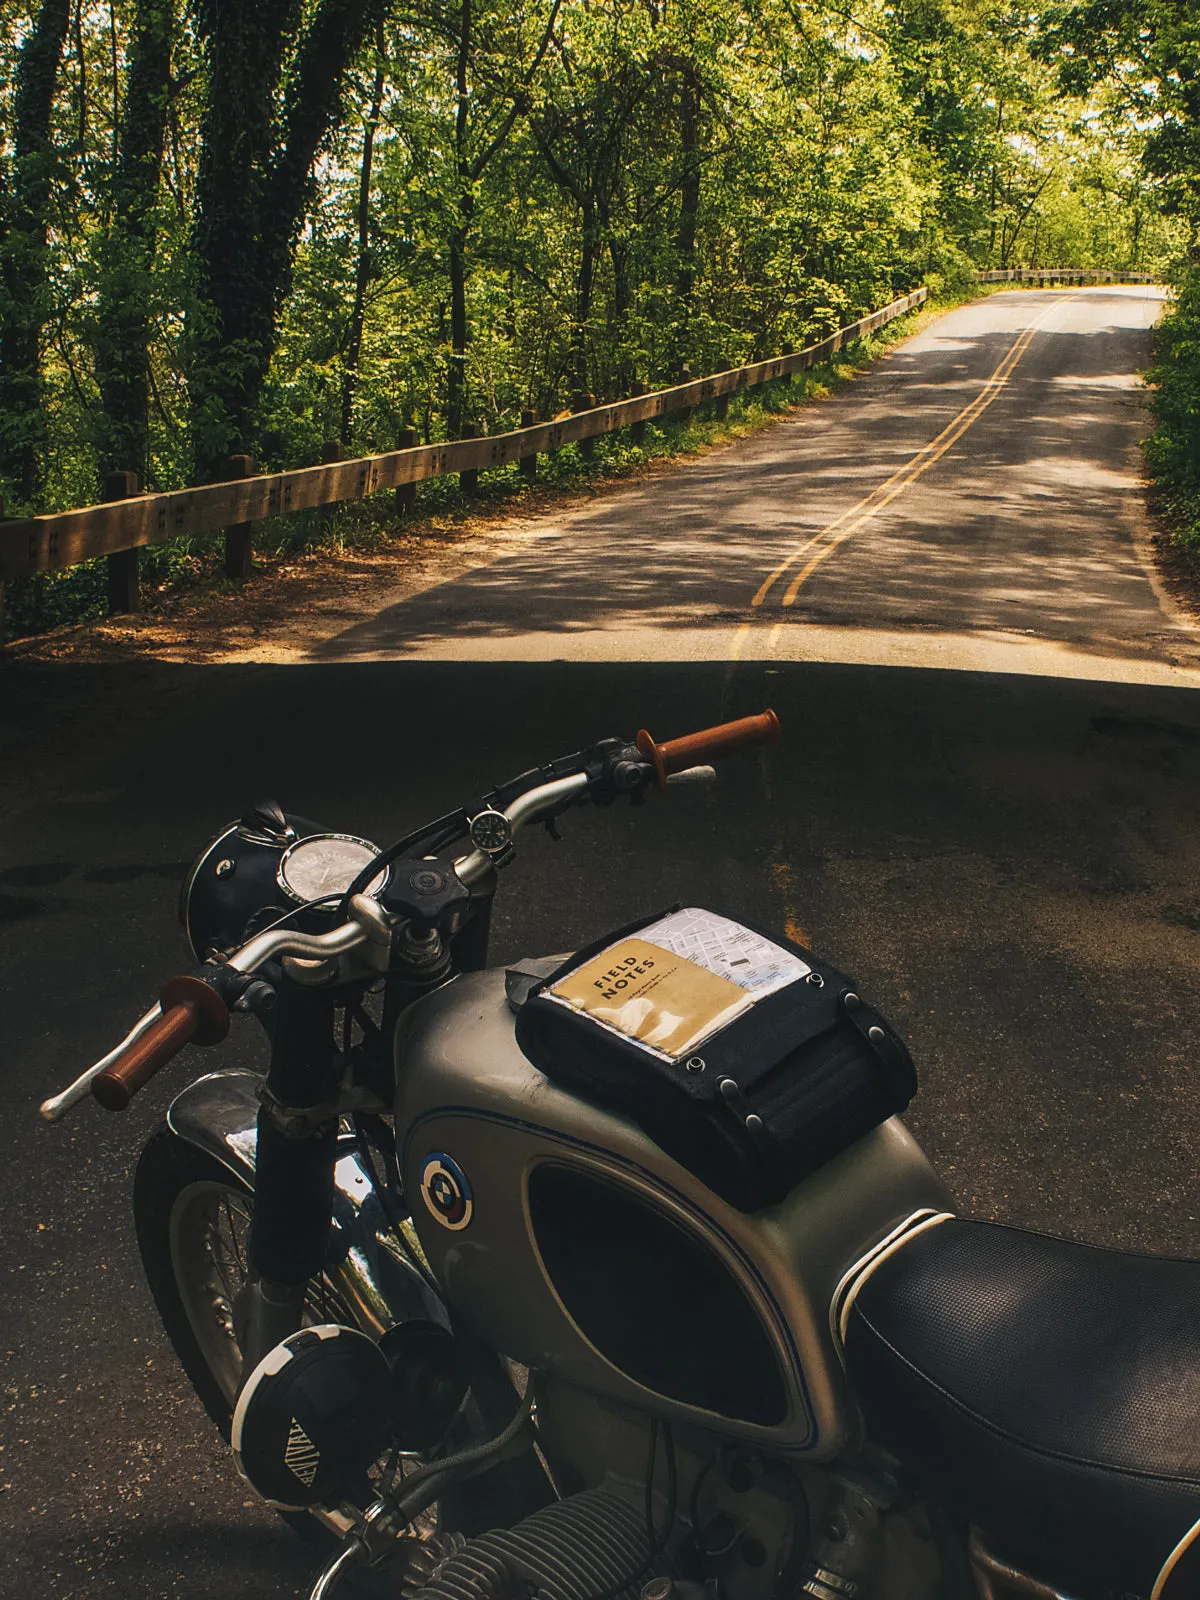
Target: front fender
(378,1267)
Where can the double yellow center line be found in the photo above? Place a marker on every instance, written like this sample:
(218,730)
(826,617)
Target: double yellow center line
(822,545)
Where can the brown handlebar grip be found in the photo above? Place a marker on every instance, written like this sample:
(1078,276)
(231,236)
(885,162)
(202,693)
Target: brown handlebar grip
(695,749)
(191,1010)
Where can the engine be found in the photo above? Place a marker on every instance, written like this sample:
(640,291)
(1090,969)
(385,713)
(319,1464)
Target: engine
(590,1545)
(594,1545)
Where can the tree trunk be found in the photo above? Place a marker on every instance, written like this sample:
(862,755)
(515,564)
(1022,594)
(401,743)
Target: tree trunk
(362,271)
(124,316)
(252,193)
(589,252)
(622,300)
(232,325)
(24,217)
(460,333)
(689,205)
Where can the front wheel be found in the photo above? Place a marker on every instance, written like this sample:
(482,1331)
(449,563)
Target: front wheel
(192,1216)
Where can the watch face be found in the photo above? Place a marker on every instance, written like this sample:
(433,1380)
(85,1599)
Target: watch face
(491,831)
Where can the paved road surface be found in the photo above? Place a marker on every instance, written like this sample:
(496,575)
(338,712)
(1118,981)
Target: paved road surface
(1010,864)
(973,502)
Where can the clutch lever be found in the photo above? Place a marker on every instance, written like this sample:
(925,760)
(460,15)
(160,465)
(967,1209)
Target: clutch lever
(59,1104)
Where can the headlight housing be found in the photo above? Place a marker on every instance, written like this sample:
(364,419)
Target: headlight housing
(267,865)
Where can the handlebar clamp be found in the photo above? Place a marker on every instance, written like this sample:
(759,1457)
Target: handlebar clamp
(424,892)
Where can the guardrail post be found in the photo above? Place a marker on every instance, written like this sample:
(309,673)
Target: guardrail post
(331,451)
(786,377)
(239,536)
(637,430)
(584,401)
(527,465)
(685,376)
(468,481)
(720,405)
(124,590)
(406,493)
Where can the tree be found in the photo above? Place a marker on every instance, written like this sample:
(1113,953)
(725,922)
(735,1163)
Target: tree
(126,296)
(254,186)
(25,204)
(362,268)
(603,67)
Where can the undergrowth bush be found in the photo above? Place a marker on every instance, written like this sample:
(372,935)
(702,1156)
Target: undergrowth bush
(1173,449)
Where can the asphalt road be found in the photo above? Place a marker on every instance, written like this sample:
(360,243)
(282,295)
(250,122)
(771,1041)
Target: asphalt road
(1008,862)
(974,501)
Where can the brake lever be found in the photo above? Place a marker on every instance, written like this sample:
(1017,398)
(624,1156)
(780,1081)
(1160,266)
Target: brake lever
(693,775)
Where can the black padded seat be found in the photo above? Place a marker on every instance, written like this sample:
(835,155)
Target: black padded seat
(1051,1389)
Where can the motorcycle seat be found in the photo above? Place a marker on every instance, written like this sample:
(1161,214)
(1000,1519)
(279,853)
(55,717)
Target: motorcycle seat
(1050,1389)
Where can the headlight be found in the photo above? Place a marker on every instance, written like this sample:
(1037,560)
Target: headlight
(259,869)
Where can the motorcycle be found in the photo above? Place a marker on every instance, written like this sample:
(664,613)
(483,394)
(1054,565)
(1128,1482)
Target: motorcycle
(468,1319)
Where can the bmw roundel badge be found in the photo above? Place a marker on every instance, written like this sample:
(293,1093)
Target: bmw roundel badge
(446,1191)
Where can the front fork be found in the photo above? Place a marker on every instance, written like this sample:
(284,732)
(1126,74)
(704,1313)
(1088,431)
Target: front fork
(294,1188)
(298,1130)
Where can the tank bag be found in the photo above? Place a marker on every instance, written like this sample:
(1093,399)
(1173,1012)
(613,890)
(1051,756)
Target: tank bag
(744,1056)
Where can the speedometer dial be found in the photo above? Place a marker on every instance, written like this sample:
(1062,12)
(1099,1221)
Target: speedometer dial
(326,864)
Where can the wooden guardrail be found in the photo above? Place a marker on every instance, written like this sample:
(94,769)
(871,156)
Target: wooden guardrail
(129,520)
(1061,275)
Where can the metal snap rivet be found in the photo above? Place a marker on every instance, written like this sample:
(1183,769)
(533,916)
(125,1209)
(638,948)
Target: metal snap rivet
(225,867)
(876,1035)
(754,1123)
(695,1063)
(815,978)
(851,1001)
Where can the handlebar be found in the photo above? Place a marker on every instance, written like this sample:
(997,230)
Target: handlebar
(527,806)
(190,1011)
(694,748)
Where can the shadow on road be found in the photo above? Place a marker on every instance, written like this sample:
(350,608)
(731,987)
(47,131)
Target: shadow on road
(1010,866)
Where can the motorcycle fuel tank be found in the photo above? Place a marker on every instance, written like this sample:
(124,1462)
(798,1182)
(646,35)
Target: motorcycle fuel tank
(569,1242)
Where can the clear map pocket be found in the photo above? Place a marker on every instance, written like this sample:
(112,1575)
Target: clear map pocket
(678,981)
(742,1055)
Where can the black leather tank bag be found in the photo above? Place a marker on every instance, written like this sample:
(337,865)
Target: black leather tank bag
(749,1088)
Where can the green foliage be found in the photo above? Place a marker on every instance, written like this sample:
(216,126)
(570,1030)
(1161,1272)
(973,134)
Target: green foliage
(561,196)
(1173,450)
(1142,59)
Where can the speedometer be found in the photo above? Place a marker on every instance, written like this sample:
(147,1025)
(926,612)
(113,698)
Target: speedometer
(326,864)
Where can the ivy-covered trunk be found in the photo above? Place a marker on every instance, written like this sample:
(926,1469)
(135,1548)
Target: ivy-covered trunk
(25,199)
(231,323)
(253,189)
(126,298)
